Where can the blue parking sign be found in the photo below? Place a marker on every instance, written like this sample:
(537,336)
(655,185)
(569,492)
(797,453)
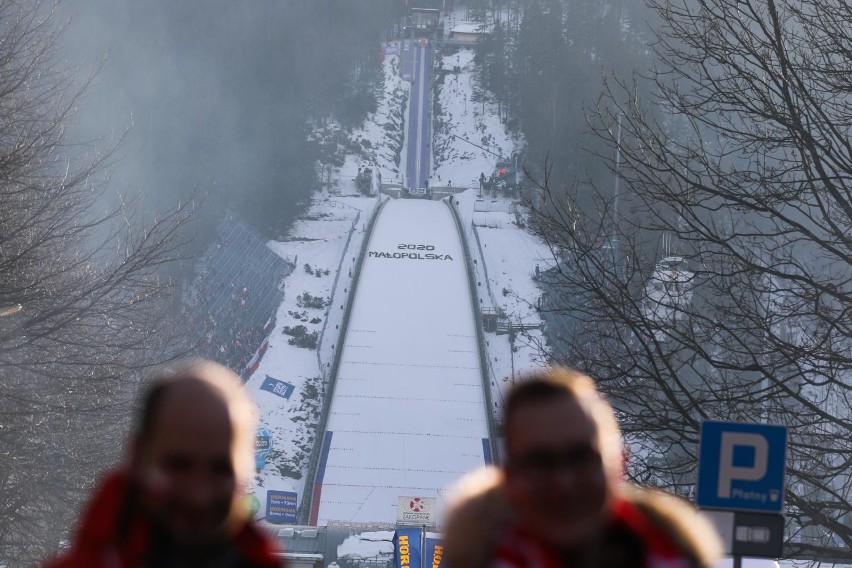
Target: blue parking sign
(741,467)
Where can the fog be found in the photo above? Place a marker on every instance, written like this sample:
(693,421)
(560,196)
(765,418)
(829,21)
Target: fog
(215,98)
(725,212)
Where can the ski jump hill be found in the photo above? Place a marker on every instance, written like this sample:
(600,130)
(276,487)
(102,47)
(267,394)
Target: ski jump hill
(409,411)
(408,415)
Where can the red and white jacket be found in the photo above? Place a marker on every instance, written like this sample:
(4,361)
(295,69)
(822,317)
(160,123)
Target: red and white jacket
(646,529)
(110,538)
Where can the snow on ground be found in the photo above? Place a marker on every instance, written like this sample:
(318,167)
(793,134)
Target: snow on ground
(506,257)
(408,416)
(378,143)
(467,116)
(748,563)
(329,237)
(371,546)
(319,240)
(788,563)
(510,252)
(381,130)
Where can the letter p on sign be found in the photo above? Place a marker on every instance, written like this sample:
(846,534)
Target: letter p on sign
(741,467)
(728,471)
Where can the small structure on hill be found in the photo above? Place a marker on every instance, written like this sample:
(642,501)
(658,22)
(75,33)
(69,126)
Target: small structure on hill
(423,22)
(467,33)
(667,294)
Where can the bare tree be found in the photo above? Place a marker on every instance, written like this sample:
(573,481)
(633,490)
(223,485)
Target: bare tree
(714,282)
(84,313)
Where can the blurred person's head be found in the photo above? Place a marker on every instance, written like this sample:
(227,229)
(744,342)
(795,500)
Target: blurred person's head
(564,456)
(193,452)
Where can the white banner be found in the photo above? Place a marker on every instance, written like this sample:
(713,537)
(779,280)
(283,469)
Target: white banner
(420,510)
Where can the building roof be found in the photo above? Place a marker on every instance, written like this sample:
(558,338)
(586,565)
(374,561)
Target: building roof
(468,28)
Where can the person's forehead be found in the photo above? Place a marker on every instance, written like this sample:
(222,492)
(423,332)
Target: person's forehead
(559,422)
(192,409)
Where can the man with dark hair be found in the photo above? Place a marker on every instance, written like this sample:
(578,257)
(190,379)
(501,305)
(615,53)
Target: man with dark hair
(177,502)
(560,498)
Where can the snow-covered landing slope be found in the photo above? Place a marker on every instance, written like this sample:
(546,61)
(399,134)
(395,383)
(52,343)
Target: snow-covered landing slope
(408,415)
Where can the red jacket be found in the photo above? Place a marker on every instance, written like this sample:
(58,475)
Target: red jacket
(646,529)
(98,543)
(652,548)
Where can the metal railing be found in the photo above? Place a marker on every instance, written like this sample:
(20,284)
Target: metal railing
(480,338)
(328,395)
(485,268)
(331,303)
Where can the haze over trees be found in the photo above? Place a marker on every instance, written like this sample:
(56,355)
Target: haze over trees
(544,60)
(221,96)
(733,154)
(220,99)
(735,163)
(83,312)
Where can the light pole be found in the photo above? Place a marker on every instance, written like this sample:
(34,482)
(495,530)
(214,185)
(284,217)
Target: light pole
(617,164)
(615,241)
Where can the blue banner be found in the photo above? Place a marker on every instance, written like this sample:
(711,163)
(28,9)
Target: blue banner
(262,447)
(486,451)
(317,494)
(406,548)
(282,389)
(434,552)
(280,506)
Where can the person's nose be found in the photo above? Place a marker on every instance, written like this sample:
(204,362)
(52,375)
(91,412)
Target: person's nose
(564,477)
(201,490)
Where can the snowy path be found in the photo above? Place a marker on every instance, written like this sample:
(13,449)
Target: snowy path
(408,415)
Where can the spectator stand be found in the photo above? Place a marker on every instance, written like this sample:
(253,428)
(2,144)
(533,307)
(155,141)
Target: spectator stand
(235,294)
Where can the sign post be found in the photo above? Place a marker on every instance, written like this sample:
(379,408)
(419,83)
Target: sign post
(413,510)
(741,480)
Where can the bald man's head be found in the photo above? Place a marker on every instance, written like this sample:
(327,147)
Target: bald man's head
(193,451)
